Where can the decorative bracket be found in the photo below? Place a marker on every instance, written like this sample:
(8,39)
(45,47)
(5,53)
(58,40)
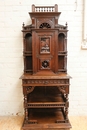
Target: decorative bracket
(62,89)
(30,89)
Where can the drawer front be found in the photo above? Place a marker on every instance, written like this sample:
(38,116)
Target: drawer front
(29,84)
(47,82)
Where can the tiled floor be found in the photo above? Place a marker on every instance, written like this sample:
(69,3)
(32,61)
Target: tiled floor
(15,123)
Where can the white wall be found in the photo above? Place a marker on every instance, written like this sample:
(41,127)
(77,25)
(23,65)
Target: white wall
(12,15)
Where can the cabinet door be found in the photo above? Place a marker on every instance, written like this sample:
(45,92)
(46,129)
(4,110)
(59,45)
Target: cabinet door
(45,48)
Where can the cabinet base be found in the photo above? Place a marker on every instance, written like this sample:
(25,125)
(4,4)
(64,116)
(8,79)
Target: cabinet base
(52,126)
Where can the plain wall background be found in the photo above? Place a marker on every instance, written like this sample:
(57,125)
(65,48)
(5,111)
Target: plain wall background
(12,16)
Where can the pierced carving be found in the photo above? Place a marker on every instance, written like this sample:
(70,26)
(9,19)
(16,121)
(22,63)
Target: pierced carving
(30,89)
(44,25)
(45,64)
(62,89)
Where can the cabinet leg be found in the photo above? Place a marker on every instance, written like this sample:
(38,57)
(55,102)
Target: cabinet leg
(66,108)
(26,110)
(26,115)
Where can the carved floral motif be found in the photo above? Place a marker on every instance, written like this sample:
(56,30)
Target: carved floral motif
(47,81)
(30,89)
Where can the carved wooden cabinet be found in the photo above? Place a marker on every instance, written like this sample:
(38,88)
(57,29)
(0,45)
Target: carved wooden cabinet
(45,80)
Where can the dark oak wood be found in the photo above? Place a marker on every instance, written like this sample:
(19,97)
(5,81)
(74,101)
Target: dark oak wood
(45,80)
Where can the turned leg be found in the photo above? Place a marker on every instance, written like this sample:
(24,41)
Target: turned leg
(26,109)
(66,108)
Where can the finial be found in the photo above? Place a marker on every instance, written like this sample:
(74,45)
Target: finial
(66,25)
(23,24)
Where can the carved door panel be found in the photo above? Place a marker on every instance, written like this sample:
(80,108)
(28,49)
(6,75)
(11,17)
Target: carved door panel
(44,50)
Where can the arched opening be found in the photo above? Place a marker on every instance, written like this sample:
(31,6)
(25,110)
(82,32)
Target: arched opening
(61,39)
(28,42)
(45,25)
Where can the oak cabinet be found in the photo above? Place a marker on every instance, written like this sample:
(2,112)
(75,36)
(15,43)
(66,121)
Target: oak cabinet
(45,80)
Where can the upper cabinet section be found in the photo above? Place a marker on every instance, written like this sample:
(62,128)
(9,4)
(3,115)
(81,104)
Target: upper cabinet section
(44,17)
(44,41)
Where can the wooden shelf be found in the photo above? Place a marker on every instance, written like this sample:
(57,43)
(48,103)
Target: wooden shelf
(27,54)
(45,105)
(46,97)
(62,70)
(46,102)
(62,53)
(44,116)
(28,70)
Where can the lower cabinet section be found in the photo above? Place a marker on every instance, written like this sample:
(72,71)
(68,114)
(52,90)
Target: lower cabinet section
(43,116)
(46,107)
(43,122)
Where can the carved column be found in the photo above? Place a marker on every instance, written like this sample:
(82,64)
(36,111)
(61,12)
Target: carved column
(66,108)
(26,109)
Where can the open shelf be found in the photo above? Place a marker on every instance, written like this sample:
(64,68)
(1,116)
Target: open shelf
(41,116)
(46,102)
(62,53)
(45,97)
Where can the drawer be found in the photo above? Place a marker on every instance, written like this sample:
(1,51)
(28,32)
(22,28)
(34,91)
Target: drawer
(45,82)
(29,85)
